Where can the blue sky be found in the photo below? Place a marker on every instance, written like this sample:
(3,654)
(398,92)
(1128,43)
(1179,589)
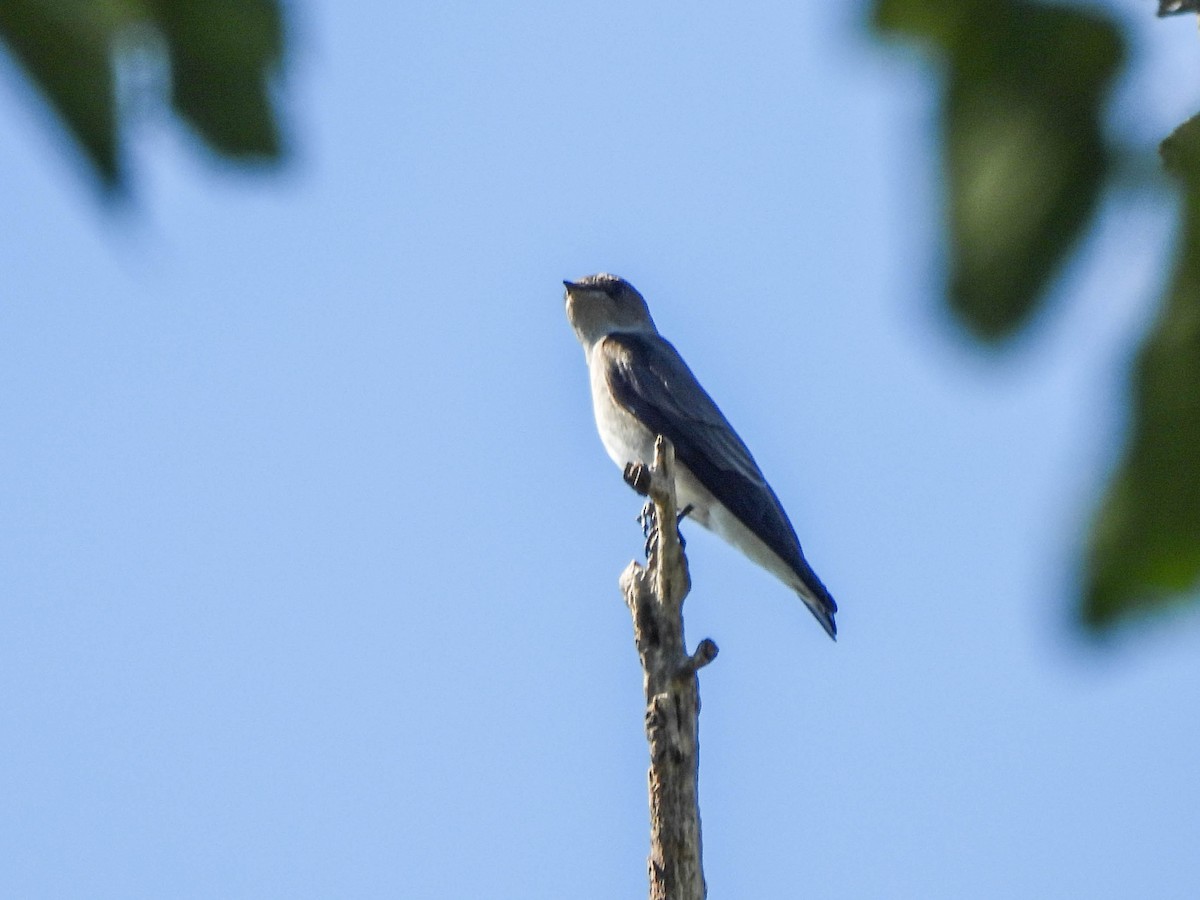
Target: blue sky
(309,550)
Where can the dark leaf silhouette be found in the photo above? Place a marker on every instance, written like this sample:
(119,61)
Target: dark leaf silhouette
(221,55)
(1146,541)
(1024,154)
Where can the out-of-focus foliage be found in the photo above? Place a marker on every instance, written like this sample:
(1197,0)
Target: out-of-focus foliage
(1146,543)
(1025,162)
(220,54)
(1025,156)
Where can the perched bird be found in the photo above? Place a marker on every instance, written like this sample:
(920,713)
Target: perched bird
(641,388)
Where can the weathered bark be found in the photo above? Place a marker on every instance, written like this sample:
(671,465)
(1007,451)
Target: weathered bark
(655,595)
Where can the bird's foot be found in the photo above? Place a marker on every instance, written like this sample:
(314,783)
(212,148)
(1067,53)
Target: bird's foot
(649,522)
(648,519)
(683,514)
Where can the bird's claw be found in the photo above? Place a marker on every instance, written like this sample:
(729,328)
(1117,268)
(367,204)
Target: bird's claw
(649,522)
(683,514)
(648,519)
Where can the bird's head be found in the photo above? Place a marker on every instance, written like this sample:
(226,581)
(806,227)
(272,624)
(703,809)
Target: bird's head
(600,304)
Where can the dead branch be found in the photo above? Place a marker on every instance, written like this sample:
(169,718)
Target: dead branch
(655,594)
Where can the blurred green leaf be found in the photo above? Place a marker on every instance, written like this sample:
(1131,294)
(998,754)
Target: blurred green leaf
(1145,547)
(222,55)
(1025,157)
(66,48)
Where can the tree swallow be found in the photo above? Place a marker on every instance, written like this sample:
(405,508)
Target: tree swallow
(641,388)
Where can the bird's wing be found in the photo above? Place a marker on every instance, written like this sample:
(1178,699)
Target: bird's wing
(649,378)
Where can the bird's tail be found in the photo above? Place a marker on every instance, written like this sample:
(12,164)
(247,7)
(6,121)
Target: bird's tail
(820,604)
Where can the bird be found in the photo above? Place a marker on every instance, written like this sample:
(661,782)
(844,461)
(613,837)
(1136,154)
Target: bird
(641,388)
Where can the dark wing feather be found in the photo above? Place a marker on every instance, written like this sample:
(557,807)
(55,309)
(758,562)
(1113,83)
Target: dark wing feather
(649,378)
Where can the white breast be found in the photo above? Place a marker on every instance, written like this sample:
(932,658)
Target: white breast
(625,439)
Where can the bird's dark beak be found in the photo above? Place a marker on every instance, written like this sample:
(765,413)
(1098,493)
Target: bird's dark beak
(569,285)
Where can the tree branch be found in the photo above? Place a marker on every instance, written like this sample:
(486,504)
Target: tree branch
(655,596)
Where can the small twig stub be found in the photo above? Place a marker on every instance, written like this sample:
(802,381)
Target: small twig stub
(637,476)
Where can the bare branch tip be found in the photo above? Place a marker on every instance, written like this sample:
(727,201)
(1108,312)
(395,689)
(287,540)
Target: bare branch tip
(664,453)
